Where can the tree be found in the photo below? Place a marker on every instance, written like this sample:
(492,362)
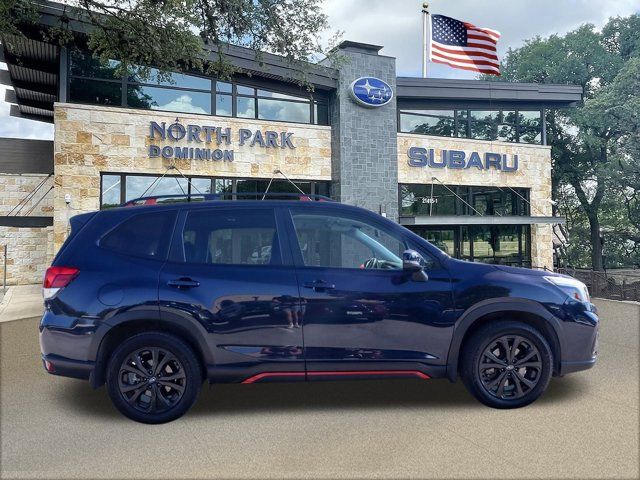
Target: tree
(175,35)
(592,145)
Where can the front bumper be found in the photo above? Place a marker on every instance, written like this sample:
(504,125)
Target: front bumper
(581,333)
(571,367)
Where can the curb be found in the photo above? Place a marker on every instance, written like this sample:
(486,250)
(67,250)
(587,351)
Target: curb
(6,299)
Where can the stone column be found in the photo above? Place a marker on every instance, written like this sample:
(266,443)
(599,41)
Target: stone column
(364,140)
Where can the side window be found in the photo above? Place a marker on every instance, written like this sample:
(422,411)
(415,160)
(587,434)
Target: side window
(145,235)
(327,240)
(232,237)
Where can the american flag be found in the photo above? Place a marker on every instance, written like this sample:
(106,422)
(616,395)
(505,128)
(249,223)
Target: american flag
(463,45)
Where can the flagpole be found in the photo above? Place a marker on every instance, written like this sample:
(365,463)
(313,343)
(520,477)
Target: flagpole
(425,37)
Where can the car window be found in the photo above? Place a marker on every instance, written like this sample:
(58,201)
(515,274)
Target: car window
(232,237)
(144,235)
(328,240)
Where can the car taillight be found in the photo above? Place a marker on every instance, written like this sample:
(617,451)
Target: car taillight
(56,278)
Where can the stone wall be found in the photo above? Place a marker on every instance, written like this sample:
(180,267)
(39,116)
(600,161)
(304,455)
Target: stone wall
(15,188)
(29,253)
(534,173)
(29,250)
(93,139)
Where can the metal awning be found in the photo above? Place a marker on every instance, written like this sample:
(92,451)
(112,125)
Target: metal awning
(480,220)
(32,71)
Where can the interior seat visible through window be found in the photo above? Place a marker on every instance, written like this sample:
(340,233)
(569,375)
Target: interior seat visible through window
(232,237)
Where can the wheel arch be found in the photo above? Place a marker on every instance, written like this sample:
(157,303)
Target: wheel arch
(523,310)
(128,327)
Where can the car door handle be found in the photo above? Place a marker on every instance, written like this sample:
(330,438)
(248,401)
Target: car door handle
(183,282)
(319,285)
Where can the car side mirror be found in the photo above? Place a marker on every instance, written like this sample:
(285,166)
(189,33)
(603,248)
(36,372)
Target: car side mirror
(412,262)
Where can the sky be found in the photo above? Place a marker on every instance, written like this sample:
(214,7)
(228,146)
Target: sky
(397,25)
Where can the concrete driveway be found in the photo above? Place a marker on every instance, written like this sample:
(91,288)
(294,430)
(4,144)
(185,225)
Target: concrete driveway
(585,426)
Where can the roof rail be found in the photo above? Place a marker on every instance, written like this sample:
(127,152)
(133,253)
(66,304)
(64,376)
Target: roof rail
(210,197)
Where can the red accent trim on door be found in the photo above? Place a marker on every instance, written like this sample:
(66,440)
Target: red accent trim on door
(260,376)
(336,373)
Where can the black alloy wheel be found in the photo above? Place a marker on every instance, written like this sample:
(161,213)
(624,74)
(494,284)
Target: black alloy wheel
(152,380)
(153,377)
(510,367)
(506,364)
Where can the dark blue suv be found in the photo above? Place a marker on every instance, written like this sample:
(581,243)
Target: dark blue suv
(152,300)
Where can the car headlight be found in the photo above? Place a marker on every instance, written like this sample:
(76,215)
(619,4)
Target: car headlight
(572,287)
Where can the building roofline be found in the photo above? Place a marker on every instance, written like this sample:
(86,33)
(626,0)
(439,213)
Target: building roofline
(552,95)
(359,47)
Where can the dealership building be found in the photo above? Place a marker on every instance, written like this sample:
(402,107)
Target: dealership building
(463,163)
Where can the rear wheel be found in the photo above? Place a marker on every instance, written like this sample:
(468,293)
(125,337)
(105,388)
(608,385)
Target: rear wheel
(153,377)
(507,364)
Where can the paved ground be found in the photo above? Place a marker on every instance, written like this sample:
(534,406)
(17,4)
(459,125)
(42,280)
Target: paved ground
(585,426)
(20,302)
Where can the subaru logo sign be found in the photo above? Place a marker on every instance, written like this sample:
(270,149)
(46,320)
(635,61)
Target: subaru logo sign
(371,92)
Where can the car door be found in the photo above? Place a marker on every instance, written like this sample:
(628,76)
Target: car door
(362,314)
(230,272)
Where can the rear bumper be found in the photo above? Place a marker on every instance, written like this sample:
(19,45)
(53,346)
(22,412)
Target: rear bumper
(66,367)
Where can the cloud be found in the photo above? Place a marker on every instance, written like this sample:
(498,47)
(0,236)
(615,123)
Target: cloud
(183,103)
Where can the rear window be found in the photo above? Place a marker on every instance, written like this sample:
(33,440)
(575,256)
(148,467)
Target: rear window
(145,235)
(231,237)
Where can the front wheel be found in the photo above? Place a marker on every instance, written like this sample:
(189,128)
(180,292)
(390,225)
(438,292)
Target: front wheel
(507,364)
(153,377)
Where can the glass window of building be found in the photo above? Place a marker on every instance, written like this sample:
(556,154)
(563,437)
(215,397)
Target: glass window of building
(95,92)
(428,200)
(502,125)
(242,90)
(425,200)
(440,123)
(94,82)
(224,105)
(156,98)
(270,109)
(483,124)
(111,189)
(530,127)
(153,76)
(320,113)
(223,185)
(83,64)
(246,107)
(119,187)
(501,244)
(498,244)
(200,185)
(147,186)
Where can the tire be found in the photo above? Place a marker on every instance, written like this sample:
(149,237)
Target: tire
(148,394)
(506,364)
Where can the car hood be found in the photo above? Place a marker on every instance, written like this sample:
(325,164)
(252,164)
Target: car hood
(525,271)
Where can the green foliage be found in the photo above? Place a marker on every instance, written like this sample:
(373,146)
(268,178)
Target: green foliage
(178,35)
(595,147)
(16,12)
